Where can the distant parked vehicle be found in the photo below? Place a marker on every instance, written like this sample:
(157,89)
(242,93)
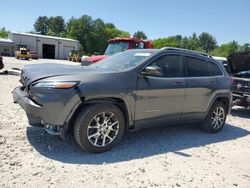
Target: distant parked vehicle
(22,53)
(34,55)
(238,66)
(1,63)
(240,71)
(118,45)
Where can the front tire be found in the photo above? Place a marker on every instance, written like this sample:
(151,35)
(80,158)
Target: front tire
(216,118)
(99,127)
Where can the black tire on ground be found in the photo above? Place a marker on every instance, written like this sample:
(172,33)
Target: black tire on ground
(209,124)
(91,116)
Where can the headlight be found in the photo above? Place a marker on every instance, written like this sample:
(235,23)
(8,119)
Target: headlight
(56,85)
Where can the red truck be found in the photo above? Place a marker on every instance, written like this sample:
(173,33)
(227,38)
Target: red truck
(118,45)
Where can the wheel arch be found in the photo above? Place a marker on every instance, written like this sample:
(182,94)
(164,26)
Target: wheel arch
(225,99)
(120,103)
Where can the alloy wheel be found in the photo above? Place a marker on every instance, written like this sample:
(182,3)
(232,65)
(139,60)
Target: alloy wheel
(218,117)
(103,129)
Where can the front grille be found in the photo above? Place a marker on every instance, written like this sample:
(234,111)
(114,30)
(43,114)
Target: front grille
(242,86)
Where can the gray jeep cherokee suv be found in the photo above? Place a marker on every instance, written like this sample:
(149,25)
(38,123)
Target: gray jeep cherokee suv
(130,90)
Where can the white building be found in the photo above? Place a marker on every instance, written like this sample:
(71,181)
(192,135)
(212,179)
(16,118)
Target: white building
(6,47)
(45,46)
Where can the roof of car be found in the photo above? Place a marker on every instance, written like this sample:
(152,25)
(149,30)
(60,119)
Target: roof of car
(173,49)
(187,51)
(145,50)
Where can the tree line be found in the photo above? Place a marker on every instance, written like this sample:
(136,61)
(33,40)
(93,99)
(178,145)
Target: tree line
(93,35)
(205,42)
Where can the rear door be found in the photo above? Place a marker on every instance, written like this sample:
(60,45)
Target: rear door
(159,100)
(201,85)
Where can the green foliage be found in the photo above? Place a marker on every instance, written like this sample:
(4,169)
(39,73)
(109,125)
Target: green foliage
(56,25)
(3,33)
(140,35)
(207,42)
(53,26)
(92,34)
(245,47)
(42,25)
(225,49)
(172,41)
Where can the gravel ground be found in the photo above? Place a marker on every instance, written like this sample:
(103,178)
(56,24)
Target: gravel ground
(176,156)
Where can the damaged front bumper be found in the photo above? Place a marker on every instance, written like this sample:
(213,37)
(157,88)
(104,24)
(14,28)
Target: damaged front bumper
(47,109)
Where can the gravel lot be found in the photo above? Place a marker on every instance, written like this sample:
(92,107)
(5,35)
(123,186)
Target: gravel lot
(176,156)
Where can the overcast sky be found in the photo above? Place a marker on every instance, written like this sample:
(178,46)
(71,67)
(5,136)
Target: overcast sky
(227,20)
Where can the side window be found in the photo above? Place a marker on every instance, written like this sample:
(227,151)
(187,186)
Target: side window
(197,67)
(214,70)
(135,45)
(141,45)
(171,65)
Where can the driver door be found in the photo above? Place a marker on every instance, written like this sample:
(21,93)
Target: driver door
(159,99)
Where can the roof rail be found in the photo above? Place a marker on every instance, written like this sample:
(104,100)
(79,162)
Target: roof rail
(185,50)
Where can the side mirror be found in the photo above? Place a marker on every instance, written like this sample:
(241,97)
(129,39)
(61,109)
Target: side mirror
(152,71)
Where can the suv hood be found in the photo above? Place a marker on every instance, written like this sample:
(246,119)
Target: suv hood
(32,73)
(240,63)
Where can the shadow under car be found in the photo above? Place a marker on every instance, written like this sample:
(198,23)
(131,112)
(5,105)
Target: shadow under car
(135,145)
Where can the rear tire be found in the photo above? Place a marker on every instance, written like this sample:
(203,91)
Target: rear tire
(216,118)
(99,127)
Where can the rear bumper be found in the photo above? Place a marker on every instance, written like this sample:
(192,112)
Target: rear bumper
(52,108)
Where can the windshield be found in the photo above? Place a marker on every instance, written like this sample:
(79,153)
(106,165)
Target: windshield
(122,61)
(116,47)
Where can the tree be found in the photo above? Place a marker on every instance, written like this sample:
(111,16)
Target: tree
(81,29)
(172,41)
(246,47)
(225,49)
(3,33)
(92,34)
(140,35)
(42,25)
(56,25)
(207,42)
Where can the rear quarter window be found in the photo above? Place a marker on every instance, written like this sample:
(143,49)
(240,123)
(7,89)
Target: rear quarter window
(196,67)
(201,68)
(214,69)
